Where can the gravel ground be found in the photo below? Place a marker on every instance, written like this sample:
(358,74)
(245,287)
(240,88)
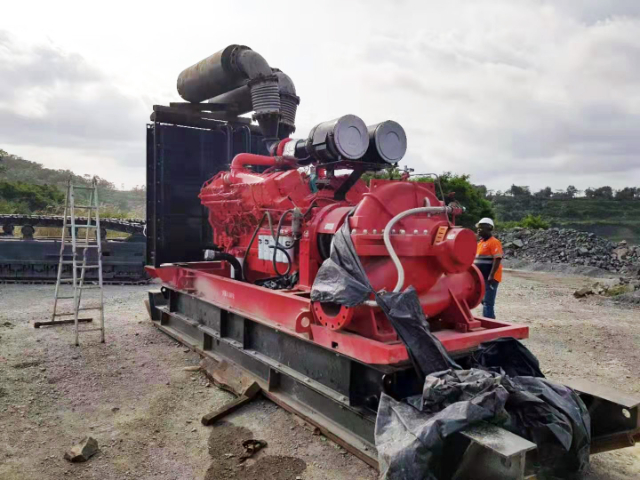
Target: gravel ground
(133,395)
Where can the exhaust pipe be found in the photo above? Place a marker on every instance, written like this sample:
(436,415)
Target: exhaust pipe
(241,77)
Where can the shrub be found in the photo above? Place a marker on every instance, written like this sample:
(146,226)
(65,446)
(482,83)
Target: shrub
(534,222)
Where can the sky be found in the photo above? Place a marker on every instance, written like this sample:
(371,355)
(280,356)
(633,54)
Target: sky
(531,92)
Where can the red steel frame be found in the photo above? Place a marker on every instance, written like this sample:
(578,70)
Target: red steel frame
(290,311)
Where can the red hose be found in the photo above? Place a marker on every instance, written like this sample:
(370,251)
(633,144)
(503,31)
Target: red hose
(243,159)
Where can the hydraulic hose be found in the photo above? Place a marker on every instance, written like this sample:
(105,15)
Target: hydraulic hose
(387,237)
(253,237)
(277,247)
(227,257)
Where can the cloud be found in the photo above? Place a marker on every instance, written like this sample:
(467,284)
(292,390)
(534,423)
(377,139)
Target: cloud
(537,92)
(52,98)
(531,92)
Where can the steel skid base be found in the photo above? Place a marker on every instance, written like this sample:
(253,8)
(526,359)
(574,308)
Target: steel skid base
(339,395)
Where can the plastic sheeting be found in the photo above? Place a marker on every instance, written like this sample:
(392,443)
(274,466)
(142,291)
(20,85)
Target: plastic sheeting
(503,384)
(411,441)
(507,355)
(411,435)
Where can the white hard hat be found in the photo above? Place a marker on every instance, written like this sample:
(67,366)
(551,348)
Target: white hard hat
(486,220)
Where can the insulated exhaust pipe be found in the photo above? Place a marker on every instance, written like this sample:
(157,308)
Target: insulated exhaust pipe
(241,77)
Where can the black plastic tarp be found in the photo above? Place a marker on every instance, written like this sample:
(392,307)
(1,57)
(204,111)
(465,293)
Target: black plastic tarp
(502,384)
(507,355)
(411,435)
(411,441)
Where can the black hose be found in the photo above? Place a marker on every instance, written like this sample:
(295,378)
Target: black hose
(286,254)
(280,247)
(235,263)
(277,246)
(253,237)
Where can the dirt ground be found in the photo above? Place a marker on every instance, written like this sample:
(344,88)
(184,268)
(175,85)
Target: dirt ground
(134,397)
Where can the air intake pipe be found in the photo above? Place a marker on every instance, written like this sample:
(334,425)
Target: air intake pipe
(239,102)
(237,75)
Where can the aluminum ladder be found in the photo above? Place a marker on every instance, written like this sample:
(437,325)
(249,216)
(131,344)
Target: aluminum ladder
(77,281)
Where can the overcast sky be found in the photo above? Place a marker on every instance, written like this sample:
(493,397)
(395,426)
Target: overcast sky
(510,91)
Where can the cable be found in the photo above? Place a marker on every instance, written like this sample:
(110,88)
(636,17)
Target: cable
(286,254)
(253,237)
(277,246)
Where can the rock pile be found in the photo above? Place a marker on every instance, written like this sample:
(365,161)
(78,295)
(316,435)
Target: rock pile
(611,287)
(563,245)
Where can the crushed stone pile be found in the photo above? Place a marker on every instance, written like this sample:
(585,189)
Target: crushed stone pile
(572,247)
(611,287)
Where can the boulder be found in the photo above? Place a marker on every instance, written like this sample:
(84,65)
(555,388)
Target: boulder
(621,253)
(583,292)
(83,451)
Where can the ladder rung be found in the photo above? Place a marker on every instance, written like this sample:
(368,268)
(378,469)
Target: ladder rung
(86,226)
(82,188)
(65,297)
(90,308)
(79,264)
(90,287)
(84,206)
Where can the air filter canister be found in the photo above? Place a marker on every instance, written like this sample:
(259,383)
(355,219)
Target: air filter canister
(343,138)
(387,143)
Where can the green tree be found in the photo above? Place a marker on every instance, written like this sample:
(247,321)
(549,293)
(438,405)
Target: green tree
(572,191)
(466,194)
(627,193)
(603,192)
(544,193)
(390,173)
(24,197)
(519,191)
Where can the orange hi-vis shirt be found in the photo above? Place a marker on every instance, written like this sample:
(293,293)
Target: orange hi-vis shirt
(488,250)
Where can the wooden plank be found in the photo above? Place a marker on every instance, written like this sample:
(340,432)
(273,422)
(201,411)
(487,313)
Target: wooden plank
(61,322)
(248,395)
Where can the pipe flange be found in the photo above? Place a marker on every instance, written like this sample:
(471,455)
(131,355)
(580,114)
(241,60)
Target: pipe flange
(332,315)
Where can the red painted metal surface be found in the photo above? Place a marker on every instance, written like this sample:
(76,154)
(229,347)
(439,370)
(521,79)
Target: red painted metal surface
(291,312)
(437,257)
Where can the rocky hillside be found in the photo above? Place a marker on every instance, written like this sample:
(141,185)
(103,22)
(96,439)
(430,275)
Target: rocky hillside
(572,247)
(614,219)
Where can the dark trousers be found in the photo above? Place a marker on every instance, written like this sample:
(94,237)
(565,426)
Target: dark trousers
(490,299)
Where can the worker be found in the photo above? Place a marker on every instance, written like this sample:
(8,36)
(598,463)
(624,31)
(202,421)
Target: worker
(489,262)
